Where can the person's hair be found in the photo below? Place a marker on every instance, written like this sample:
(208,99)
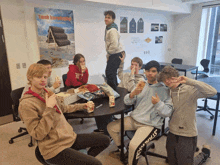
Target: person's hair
(167,72)
(137,60)
(77,58)
(44,62)
(111,13)
(35,70)
(152,64)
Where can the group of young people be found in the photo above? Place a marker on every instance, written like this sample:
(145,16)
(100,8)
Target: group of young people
(165,94)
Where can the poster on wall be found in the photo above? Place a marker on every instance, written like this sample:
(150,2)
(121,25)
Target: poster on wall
(132,26)
(154,27)
(158,39)
(123,24)
(163,27)
(140,26)
(55,29)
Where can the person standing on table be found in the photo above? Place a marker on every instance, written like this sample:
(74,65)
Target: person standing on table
(152,104)
(78,73)
(113,49)
(128,81)
(53,83)
(182,138)
(42,114)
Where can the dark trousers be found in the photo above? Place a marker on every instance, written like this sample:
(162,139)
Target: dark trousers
(180,149)
(70,156)
(111,70)
(102,122)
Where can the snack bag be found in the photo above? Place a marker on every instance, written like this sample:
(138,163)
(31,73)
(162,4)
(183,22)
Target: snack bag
(111,101)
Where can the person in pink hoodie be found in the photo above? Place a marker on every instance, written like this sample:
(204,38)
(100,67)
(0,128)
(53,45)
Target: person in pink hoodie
(78,73)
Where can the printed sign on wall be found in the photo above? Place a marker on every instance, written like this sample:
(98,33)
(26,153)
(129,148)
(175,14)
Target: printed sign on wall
(132,26)
(55,35)
(123,24)
(140,26)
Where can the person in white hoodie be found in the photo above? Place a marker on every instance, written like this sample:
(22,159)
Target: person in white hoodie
(113,49)
(182,138)
(151,105)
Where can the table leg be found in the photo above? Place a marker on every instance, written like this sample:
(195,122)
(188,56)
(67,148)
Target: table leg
(185,72)
(122,156)
(216,116)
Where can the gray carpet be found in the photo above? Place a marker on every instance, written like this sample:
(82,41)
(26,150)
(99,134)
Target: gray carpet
(19,153)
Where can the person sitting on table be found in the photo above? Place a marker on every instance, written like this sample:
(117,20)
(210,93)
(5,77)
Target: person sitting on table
(182,138)
(152,103)
(52,83)
(78,73)
(128,81)
(42,113)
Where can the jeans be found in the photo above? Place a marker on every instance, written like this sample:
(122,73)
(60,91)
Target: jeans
(111,70)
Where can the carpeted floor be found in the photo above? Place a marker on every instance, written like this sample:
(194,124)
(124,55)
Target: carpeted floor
(19,153)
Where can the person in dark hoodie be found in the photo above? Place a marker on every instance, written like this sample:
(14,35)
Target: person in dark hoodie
(42,113)
(182,138)
(78,73)
(113,48)
(152,104)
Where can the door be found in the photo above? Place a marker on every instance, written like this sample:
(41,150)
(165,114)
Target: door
(5,83)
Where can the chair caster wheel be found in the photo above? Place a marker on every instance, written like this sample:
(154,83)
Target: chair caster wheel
(211,117)
(153,146)
(197,149)
(30,144)
(11,141)
(19,130)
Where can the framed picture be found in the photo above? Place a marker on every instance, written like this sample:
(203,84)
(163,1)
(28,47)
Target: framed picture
(163,27)
(155,27)
(158,39)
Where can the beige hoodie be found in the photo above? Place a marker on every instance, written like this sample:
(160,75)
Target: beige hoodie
(48,127)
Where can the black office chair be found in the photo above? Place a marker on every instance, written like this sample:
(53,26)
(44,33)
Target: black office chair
(205,64)
(145,152)
(16,95)
(177,61)
(64,77)
(39,156)
(206,107)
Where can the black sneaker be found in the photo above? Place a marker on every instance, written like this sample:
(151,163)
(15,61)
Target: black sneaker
(98,130)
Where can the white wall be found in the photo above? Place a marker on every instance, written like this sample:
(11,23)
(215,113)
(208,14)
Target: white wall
(22,44)
(186,35)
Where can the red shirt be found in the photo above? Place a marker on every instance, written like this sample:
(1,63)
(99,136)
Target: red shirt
(71,76)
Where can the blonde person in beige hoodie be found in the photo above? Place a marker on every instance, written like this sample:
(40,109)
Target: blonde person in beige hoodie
(42,114)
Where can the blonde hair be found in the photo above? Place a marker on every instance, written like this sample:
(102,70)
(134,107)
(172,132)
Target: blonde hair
(35,70)
(166,73)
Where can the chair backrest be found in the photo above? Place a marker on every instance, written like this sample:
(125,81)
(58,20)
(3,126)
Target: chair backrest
(16,95)
(64,77)
(177,61)
(205,64)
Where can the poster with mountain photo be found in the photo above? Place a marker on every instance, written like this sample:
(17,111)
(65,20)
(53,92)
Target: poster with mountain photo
(55,28)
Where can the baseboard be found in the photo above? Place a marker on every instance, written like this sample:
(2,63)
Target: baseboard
(6,119)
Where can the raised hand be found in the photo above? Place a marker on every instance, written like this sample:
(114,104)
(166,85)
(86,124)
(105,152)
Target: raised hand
(50,101)
(123,56)
(180,79)
(56,84)
(133,70)
(155,99)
